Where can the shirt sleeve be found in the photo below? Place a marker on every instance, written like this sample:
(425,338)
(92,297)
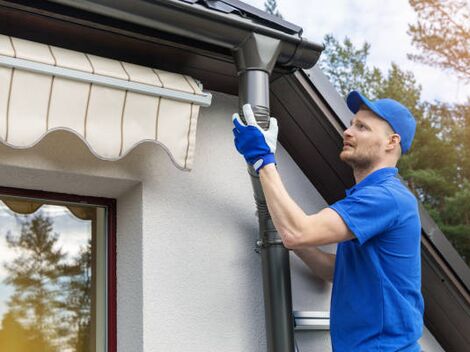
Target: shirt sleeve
(368,212)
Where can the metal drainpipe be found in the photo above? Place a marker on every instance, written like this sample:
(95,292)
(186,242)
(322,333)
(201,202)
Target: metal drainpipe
(255,60)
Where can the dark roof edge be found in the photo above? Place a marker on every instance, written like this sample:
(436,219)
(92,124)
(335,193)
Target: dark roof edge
(329,94)
(247,10)
(202,24)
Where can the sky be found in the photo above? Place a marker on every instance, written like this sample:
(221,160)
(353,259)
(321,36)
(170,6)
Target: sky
(383,24)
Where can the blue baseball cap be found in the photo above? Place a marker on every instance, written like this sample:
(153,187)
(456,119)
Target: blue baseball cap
(398,116)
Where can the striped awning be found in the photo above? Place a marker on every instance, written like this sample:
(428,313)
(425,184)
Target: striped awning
(111,105)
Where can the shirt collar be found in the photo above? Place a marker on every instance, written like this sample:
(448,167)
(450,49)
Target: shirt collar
(374,178)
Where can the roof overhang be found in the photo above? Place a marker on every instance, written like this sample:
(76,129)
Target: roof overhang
(192,20)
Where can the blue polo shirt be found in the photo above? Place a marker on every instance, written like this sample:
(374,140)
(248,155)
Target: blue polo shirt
(376,303)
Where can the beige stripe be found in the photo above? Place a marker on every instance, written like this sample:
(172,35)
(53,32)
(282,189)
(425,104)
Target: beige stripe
(13,46)
(156,117)
(49,103)
(122,123)
(189,133)
(158,77)
(189,83)
(123,110)
(52,54)
(86,111)
(88,99)
(8,103)
(50,90)
(125,71)
(91,64)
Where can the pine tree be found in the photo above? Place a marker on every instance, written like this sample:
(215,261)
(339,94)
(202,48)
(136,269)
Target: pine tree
(270,6)
(78,299)
(442,34)
(35,274)
(346,67)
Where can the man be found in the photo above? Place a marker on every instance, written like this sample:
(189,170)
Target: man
(376,303)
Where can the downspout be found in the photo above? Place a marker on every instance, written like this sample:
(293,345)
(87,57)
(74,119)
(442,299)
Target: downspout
(255,60)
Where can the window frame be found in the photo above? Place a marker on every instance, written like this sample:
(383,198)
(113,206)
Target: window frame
(110,205)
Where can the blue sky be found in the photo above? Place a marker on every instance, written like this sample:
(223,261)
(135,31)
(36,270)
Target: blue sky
(381,23)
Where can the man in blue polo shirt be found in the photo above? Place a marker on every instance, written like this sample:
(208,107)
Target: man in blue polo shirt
(376,303)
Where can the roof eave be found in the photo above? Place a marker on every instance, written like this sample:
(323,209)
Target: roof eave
(202,24)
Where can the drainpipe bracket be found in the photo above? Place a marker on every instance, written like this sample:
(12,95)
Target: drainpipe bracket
(262,244)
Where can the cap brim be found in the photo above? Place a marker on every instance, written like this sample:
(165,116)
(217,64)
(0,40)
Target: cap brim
(355,99)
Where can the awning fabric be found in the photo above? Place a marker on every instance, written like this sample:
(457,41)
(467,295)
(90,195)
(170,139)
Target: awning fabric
(111,105)
(28,207)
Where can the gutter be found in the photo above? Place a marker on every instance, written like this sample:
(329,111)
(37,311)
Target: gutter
(197,22)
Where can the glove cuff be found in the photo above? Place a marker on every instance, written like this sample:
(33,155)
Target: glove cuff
(263,161)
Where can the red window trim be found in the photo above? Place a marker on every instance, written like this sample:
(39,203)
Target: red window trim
(110,204)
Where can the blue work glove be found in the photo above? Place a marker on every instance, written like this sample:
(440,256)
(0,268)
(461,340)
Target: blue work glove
(255,144)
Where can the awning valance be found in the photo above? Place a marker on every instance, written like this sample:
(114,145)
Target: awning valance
(111,105)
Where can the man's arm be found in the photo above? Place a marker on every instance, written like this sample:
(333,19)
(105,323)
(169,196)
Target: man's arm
(320,263)
(297,229)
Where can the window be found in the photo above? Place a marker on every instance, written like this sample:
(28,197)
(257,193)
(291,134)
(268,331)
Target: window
(57,272)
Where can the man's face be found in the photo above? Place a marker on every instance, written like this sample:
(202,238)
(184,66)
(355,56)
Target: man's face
(365,140)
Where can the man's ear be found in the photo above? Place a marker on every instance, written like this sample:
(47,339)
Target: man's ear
(393,141)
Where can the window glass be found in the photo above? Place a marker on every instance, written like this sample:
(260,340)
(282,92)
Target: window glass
(52,276)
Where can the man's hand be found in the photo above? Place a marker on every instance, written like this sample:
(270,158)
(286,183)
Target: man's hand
(256,145)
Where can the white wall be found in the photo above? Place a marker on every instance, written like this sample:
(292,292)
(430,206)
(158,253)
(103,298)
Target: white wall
(188,276)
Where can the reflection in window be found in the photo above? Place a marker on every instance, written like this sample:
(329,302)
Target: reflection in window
(52,279)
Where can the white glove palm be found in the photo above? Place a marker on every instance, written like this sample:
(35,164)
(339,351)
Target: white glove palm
(255,144)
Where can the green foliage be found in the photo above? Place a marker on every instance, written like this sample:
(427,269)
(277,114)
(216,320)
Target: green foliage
(431,186)
(457,206)
(402,86)
(346,67)
(442,34)
(270,6)
(458,235)
(437,168)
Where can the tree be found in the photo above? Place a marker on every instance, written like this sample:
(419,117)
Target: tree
(442,33)
(270,6)
(346,67)
(51,302)
(35,276)
(78,299)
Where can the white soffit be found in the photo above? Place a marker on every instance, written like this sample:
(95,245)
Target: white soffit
(111,105)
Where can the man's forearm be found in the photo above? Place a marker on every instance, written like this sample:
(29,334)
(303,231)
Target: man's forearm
(286,214)
(321,264)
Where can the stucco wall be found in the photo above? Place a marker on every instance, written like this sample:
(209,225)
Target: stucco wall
(188,276)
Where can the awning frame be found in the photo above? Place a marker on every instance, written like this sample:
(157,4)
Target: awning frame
(203,100)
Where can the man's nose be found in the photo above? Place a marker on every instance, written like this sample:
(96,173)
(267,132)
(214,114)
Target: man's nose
(347,132)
